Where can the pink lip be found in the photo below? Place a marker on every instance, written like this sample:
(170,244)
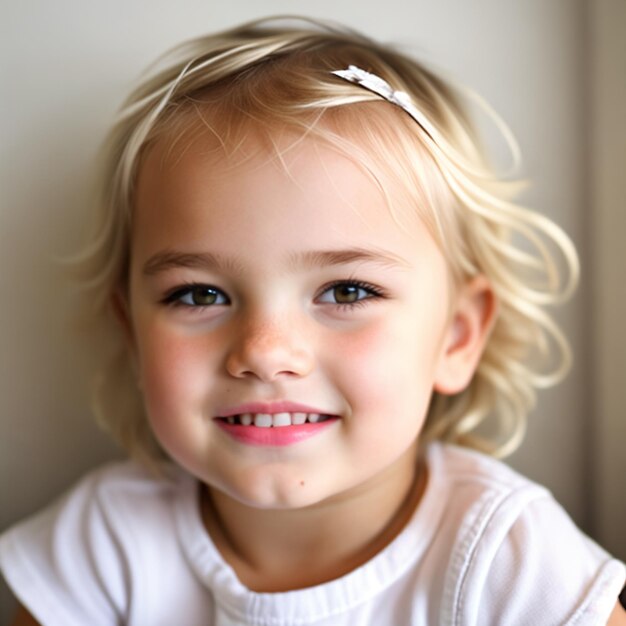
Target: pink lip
(270,408)
(274,435)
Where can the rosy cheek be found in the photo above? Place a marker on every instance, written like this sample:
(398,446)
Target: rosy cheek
(172,366)
(360,358)
(360,343)
(378,344)
(383,362)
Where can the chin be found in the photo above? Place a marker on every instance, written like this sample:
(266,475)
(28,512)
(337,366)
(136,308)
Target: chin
(266,490)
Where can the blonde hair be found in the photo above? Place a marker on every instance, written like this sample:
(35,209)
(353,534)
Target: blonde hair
(264,76)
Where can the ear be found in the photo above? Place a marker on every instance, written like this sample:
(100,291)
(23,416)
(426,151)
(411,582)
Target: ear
(474,315)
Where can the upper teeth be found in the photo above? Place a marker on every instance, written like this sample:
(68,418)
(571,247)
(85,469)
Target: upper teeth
(266,420)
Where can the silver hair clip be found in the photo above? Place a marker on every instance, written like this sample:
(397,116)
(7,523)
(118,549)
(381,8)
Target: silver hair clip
(379,86)
(375,83)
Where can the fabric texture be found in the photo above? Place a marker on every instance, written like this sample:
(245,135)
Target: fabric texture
(485,546)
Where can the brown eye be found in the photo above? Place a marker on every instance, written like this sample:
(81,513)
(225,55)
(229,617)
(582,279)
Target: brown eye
(197,296)
(349,292)
(346,294)
(204,296)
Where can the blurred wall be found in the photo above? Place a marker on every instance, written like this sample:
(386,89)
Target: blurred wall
(607,261)
(65,68)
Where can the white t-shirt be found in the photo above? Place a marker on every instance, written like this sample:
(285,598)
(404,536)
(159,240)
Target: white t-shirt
(485,546)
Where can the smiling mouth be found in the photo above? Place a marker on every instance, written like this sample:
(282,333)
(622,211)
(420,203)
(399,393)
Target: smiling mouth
(276,420)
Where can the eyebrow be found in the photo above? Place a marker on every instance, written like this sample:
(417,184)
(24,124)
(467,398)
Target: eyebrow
(324,258)
(171,259)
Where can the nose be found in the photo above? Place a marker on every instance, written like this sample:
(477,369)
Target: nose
(269,350)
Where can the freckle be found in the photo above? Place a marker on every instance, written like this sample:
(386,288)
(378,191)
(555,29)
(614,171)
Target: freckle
(302,483)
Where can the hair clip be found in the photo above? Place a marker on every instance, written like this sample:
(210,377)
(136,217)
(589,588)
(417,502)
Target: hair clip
(378,85)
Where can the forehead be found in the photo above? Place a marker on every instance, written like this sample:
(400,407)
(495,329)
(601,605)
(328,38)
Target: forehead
(380,138)
(283,179)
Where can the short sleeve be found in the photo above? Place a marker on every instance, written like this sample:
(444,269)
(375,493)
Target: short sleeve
(542,570)
(63,564)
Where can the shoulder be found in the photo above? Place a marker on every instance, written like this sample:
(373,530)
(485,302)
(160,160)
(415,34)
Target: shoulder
(464,467)
(108,497)
(117,488)
(517,555)
(479,489)
(72,560)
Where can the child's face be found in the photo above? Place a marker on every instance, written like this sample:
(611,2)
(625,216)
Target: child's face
(234,300)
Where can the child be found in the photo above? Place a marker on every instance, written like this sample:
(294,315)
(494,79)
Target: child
(326,304)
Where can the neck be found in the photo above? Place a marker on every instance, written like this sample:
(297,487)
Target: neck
(278,550)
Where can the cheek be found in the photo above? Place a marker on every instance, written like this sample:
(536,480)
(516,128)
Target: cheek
(174,368)
(386,374)
(384,355)
(176,375)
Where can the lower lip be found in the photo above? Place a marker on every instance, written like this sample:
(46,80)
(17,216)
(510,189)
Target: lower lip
(275,435)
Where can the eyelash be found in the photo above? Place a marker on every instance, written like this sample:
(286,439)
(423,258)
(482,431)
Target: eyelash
(372,291)
(174,297)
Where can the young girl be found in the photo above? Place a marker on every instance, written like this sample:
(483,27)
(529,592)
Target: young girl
(326,303)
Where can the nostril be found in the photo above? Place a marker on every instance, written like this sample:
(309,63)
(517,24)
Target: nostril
(265,375)
(268,360)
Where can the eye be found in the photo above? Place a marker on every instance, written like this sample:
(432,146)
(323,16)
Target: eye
(348,292)
(197,296)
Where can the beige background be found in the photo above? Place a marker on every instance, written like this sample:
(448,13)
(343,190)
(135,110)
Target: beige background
(553,69)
